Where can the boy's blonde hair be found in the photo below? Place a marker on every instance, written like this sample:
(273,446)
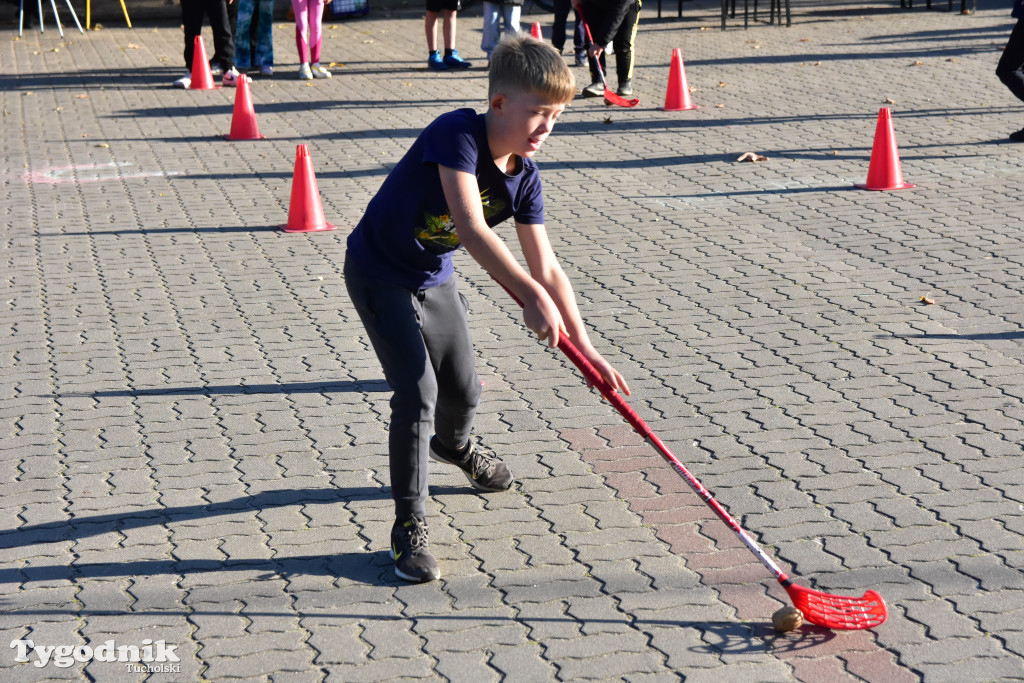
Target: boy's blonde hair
(521,62)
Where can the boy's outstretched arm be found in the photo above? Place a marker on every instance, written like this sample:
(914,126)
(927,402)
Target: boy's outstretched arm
(540,313)
(546,270)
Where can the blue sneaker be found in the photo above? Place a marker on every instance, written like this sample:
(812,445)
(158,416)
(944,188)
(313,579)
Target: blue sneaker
(455,61)
(435,62)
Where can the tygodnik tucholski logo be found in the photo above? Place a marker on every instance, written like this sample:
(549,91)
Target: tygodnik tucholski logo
(149,657)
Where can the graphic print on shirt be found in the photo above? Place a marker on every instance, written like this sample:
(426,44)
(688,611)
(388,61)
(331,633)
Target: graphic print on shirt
(438,233)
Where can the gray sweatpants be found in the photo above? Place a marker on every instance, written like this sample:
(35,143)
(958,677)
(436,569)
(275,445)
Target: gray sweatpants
(422,341)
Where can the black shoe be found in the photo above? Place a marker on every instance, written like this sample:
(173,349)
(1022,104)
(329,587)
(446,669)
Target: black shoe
(482,467)
(595,89)
(409,549)
(625,89)
(1018,136)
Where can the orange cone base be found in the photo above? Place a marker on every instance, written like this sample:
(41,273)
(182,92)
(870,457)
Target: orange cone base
(259,136)
(899,186)
(325,226)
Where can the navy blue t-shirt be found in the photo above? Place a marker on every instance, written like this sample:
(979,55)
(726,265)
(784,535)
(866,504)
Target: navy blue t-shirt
(407,235)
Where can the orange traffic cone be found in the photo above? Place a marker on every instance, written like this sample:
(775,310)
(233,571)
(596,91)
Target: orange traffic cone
(243,118)
(202,79)
(884,172)
(677,96)
(535,31)
(305,213)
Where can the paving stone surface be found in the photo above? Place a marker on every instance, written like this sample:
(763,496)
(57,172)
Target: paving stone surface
(193,426)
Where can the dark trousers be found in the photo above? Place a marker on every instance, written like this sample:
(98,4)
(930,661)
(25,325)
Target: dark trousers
(1011,65)
(422,341)
(562,8)
(220,15)
(622,42)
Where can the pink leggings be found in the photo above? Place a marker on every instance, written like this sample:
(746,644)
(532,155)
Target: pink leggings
(308,16)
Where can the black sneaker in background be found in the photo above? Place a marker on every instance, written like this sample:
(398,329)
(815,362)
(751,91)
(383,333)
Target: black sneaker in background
(1018,136)
(410,551)
(482,467)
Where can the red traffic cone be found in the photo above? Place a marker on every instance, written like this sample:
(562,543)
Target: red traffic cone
(202,79)
(535,31)
(305,212)
(884,172)
(243,118)
(677,96)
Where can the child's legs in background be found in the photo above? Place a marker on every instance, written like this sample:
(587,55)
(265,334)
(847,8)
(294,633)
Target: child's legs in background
(492,29)
(301,28)
(192,19)
(512,14)
(430,26)
(623,43)
(448,30)
(243,26)
(315,9)
(223,39)
(1010,68)
(264,33)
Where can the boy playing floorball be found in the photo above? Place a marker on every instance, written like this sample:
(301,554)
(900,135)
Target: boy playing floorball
(466,173)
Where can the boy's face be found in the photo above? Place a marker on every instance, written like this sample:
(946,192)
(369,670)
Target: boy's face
(523,120)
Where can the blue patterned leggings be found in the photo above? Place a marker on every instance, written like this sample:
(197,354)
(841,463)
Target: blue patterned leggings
(263,13)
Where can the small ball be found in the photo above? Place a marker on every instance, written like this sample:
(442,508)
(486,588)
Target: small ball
(787,619)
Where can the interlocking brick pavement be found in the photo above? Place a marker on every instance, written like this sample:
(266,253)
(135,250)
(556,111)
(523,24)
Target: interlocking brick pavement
(193,426)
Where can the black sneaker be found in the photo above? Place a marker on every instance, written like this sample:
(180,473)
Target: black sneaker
(409,550)
(482,467)
(581,58)
(1018,136)
(595,89)
(625,88)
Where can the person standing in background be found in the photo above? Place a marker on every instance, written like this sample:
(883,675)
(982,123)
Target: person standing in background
(1010,69)
(494,10)
(562,8)
(254,25)
(309,19)
(615,22)
(451,58)
(223,61)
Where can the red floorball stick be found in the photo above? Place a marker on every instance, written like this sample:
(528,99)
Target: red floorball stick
(823,609)
(610,96)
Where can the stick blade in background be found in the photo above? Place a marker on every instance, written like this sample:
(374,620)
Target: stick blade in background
(618,100)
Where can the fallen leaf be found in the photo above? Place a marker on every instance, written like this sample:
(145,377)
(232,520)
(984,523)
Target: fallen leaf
(889,100)
(56,49)
(97,27)
(608,119)
(816,64)
(951,59)
(721,84)
(804,40)
(133,46)
(917,62)
(751,156)
(83,96)
(926,301)
(367,42)
(835,152)
(58,108)
(719,106)
(103,144)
